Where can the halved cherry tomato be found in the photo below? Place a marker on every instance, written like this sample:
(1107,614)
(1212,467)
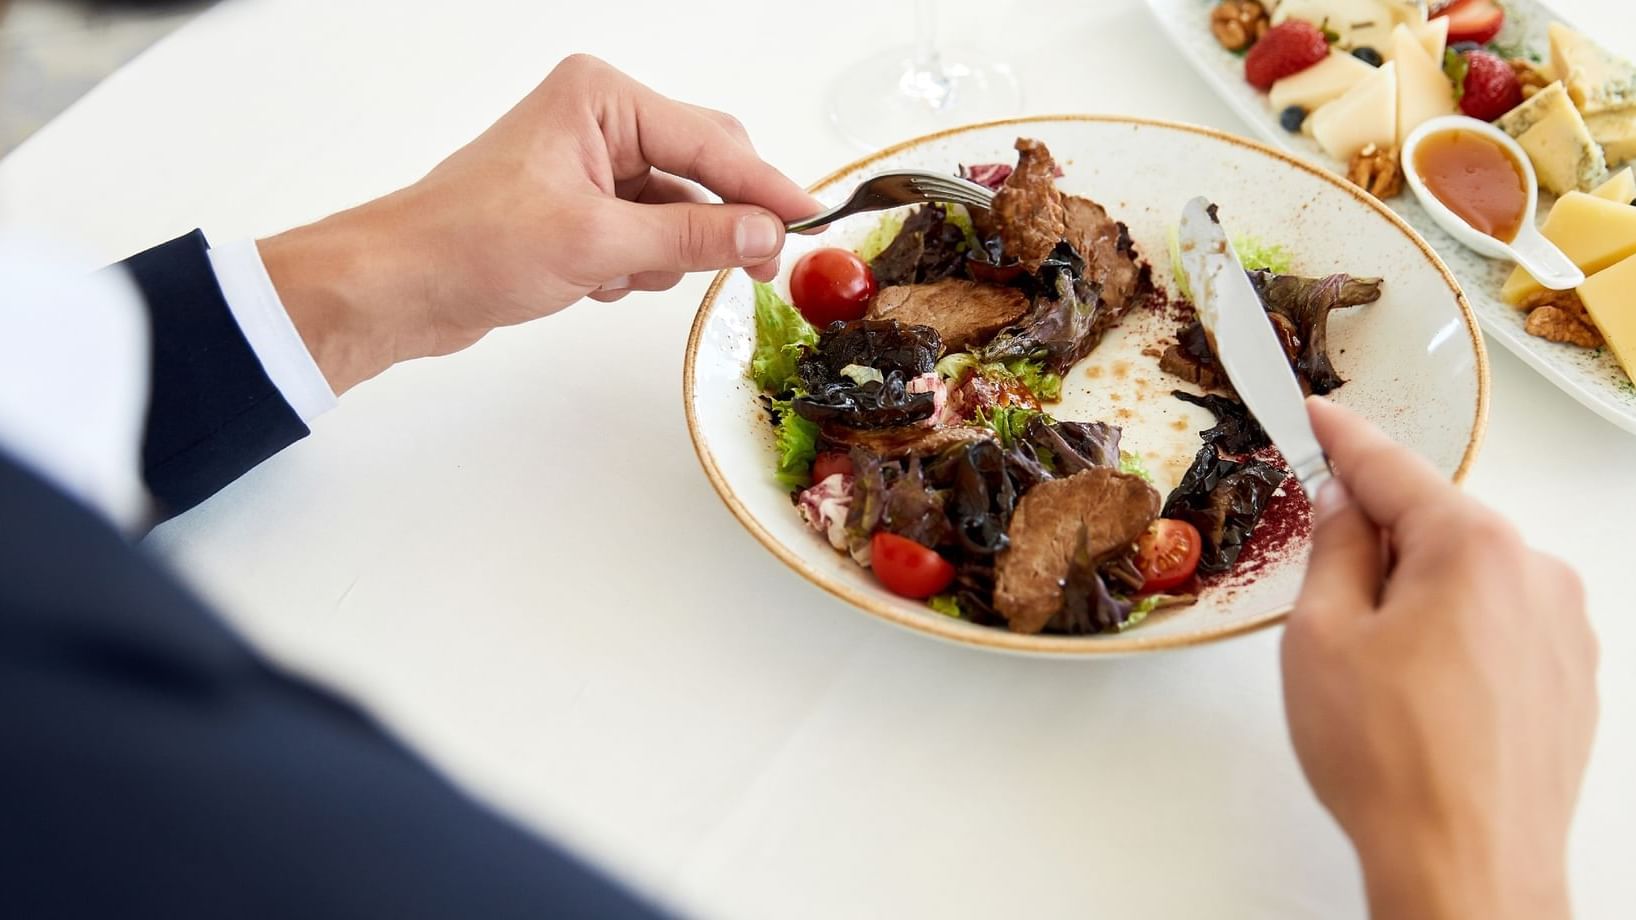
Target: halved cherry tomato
(829,463)
(907,568)
(1168,554)
(831,284)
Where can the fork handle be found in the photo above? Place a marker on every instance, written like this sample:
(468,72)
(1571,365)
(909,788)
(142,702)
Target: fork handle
(817,220)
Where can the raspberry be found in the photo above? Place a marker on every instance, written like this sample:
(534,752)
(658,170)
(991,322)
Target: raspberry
(1288,48)
(1491,86)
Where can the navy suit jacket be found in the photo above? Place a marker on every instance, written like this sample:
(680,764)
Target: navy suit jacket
(153,765)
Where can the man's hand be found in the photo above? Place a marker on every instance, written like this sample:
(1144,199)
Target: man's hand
(591,186)
(1439,678)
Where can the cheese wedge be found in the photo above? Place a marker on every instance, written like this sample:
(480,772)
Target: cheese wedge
(1610,298)
(1616,132)
(1366,114)
(1598,80)
(1593,232)
(1423,90)
(1621,187)
(1564,154)
(1326,80)
(1433,35)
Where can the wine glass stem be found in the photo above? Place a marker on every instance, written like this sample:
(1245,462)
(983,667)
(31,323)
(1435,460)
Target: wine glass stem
(926,36)
(925,79)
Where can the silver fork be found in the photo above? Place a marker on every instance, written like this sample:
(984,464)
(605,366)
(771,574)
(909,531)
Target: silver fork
(900,187)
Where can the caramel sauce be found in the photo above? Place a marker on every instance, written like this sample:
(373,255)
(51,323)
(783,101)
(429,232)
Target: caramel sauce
(1475,178)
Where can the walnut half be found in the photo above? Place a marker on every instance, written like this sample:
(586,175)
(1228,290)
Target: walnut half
(1238,24)
(1529,75)
(1563,324)
(1375,170)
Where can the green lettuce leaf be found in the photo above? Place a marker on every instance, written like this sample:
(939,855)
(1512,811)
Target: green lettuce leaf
(781,334)
(1259,256)
(947,605)
(882,236)
(1146,605)
(1132,464)
(1045,384)
(1042,383)
(797,441)
(1008,422)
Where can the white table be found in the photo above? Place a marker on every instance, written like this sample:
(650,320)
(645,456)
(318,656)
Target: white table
(543,592)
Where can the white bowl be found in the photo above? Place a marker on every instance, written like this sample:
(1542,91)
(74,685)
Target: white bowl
(1529,248)
(1414,360)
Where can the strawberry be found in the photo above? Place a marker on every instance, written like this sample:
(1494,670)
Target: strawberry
(1288,48)
(1491,87)
(1474,20)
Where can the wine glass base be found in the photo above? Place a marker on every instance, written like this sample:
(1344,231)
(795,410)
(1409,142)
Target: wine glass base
(887,98)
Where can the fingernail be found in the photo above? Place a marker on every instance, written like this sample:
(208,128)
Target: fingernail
(756,236)
(622,283)
(1332,497)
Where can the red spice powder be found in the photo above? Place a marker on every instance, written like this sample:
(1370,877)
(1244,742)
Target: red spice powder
(1283,529)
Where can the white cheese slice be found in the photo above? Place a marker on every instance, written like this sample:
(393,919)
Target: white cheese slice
(1620,187)
(1616,132)
(1597,79)
(1357,23)
(1423,90)
(1433,35)
(1318,84)
(1366,114)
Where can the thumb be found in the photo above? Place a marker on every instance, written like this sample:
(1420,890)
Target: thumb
(1344,575)
(689,237)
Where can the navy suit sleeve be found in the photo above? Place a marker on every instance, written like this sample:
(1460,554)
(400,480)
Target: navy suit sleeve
(213,412)
(154,766)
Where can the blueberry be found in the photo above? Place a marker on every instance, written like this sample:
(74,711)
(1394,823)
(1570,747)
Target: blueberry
(1463,47)
(1292,117)
(1368,55)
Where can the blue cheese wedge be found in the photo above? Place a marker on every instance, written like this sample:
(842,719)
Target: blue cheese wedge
(1597,79)
(1565,156)
(1357,23)
(1616,132)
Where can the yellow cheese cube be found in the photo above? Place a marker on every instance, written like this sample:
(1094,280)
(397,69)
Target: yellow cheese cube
(1621,187)
(1593,232)
(1598,80)
(1616,132)
(1366,114)
(1610,298)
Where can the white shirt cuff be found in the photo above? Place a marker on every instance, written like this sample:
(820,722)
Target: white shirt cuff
(267,327)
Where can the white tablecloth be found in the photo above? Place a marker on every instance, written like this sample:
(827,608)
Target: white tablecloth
(512,554)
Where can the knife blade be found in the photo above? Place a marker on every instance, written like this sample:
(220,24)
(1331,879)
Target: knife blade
(1246,345)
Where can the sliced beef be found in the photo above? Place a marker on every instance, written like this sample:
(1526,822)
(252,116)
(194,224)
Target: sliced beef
(1106,247)
(913,440)
(1097,512)
(964,313)
(1028,212)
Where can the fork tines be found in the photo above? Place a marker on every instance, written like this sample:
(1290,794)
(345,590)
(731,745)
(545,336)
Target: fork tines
(951,189)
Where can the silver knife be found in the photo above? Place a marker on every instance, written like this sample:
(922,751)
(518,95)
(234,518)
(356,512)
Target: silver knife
(1245,343)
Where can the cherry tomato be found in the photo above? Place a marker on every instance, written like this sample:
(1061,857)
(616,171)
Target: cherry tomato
(907,568)
(1168,554)
(831,284)
(829,463)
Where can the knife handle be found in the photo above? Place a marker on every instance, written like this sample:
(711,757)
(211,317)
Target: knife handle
(1312,473)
